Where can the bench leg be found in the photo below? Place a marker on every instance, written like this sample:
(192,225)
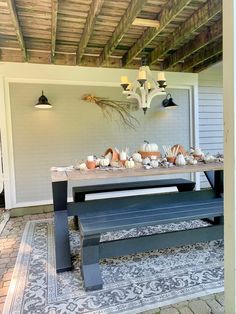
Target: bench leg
(219,220)
(185,187)
(90,262)
(76,222)
(78,197)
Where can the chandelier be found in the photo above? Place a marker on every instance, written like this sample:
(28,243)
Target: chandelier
(145,88)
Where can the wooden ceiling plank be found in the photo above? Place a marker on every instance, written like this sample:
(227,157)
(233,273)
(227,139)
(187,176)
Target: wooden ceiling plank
(134,8)
(15,21)
(209,62)
(89,26)
(212,33)
(199,18)
(54,26)
(146,22)
(169,12)
(203,55)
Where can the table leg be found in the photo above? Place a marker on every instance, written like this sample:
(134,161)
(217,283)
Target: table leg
(216,178)
(62,244)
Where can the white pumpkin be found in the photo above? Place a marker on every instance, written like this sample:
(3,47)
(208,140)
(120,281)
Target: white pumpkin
(83,166)
(137,157)
(149,147)
(209,158)
(154,163)
(192,161)
(180,160)
(129,163)
(104,162)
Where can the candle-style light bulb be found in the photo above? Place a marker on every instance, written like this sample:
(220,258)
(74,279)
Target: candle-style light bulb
(161,76)
(124,80)
(142,75)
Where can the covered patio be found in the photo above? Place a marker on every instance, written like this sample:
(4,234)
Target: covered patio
(115,74)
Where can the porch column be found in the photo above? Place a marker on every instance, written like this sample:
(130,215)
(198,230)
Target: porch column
(229,74)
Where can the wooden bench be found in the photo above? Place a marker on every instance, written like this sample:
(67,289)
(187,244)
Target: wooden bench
(138,211)
(80,192)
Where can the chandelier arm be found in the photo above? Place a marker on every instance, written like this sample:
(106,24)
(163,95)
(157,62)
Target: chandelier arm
(133,95)
(152,94)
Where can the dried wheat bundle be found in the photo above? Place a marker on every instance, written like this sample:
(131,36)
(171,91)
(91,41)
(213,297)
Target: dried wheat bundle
(122,108)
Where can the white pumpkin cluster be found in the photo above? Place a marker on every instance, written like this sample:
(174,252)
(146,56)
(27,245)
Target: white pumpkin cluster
(139,159)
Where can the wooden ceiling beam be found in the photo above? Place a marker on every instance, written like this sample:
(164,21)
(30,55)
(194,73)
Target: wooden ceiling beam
(208,63)
(134,8)
(169,12)
(54,26)
(206,53)
(15,21)
(146,23)
(198,19)
(212,33)
(95,9)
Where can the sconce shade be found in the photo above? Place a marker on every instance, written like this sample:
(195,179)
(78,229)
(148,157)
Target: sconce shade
(43,102)
(168,101)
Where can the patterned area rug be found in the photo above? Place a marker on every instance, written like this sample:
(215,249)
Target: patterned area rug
(132,284)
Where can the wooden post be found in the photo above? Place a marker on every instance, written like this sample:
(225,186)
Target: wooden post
(229,72)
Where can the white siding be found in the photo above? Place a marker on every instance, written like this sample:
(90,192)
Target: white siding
(211,127)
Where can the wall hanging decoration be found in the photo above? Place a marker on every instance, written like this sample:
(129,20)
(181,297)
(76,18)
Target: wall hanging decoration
(43,102)
(146,87)
(121,108)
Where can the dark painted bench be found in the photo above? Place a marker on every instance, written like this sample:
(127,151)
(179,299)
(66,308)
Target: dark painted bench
(79,192)
(138,211)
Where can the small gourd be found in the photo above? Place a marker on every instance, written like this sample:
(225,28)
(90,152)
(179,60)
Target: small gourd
(104,162)
(180,160)
(149,147)
(83,166)
(154,163)
(129,163)
(209,158)
(137,157)
(192,161)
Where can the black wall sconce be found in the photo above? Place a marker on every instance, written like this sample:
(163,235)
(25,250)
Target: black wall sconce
(168,101)
(43,102)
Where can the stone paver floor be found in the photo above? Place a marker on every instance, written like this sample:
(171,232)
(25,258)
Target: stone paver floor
(10,239)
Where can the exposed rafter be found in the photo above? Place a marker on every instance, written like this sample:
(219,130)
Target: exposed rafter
(126,21)
(15,21)
(204,65)
(95,8)
(212,33)
(54,26)
(204,54)
(169,12)
(203,15)
(59,32)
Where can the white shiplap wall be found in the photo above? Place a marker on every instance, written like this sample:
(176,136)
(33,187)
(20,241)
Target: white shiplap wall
(74,129)
(211,137)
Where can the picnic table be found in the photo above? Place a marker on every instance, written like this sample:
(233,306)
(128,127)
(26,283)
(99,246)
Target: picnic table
(112,214)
